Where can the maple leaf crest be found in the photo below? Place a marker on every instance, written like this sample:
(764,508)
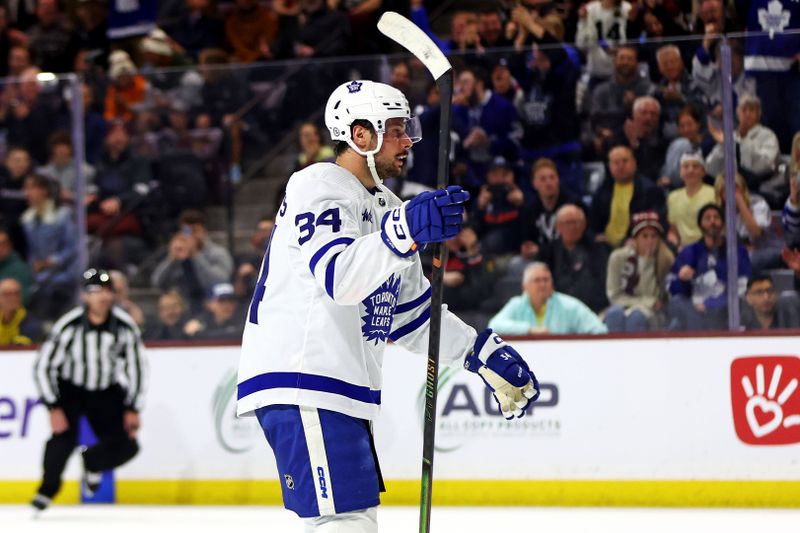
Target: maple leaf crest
(774,18)
(379,310)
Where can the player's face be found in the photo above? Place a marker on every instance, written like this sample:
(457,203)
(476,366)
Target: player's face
(391,158)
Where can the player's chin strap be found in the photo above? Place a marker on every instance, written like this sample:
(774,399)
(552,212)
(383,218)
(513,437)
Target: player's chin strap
(370,158)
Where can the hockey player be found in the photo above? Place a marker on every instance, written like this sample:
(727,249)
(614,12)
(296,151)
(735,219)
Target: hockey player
(341,276)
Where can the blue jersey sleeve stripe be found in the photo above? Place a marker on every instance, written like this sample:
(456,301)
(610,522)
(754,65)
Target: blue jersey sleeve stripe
(258,293)
(329,275)
(298,380)
(324,249)
(408,306)
(404,330)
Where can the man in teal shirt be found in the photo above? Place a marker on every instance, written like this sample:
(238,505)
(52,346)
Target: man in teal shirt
(541,310)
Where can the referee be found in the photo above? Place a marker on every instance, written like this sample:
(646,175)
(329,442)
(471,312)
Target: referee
(92,364)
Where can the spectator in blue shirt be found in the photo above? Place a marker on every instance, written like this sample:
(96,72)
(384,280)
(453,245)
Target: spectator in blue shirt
(698,282)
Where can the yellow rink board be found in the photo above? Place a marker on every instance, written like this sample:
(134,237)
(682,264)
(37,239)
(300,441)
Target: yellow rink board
(462,492)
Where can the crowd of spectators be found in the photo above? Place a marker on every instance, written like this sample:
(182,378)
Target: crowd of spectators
(590,134)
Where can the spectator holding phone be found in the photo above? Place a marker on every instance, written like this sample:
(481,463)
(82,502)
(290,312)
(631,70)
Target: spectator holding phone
(498,209)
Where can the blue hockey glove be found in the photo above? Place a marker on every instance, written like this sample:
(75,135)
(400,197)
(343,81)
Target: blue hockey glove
(429,217)
(505,372)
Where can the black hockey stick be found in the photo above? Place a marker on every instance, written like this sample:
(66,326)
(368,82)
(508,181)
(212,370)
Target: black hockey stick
(406,33)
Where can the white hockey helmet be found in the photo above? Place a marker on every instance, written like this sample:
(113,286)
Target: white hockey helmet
(373,102)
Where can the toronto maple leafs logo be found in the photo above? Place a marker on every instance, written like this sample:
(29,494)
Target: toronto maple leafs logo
(379,310)
(366,216)
(774,18)
(354,86)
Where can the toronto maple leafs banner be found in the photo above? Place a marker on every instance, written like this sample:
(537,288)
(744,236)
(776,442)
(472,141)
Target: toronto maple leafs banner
(723,408)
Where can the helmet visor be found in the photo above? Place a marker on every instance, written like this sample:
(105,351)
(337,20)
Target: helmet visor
(398,128)
(414,129)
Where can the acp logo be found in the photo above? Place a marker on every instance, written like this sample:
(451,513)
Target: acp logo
(765,400)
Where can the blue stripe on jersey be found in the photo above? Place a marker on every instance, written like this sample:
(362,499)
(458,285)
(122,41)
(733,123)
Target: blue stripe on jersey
(258,294)
(408,306)
(404,330)
(321,252)
(329,274)
(298,380)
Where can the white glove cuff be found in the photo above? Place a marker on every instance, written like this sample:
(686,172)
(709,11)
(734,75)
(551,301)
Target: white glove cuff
(492,344)
(396,233)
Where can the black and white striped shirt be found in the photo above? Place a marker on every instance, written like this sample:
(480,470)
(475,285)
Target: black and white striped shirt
(93,357)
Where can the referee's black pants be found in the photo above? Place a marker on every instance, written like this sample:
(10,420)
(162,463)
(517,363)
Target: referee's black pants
(104,410)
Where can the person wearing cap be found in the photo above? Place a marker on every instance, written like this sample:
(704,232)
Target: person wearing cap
(220,319)
(683,204)
(93,365)
(498,210)
(698,282)
(127,89)
(636,279)
(159,51)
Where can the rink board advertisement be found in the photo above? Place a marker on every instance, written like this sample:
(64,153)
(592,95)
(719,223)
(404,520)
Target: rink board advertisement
(641,418)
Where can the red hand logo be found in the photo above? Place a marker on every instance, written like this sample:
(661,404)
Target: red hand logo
(766,404)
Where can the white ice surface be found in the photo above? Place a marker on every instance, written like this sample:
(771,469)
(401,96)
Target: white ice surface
(157,519)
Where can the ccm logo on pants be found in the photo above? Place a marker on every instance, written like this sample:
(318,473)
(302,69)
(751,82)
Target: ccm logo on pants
(323,485)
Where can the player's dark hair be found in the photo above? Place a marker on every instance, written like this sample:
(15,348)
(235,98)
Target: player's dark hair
(341,146)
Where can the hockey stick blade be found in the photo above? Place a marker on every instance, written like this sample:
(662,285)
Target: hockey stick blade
(407,34)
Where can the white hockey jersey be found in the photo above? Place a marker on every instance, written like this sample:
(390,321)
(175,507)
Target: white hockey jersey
(329,295)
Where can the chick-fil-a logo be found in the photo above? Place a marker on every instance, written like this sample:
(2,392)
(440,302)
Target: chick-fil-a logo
(765,399)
